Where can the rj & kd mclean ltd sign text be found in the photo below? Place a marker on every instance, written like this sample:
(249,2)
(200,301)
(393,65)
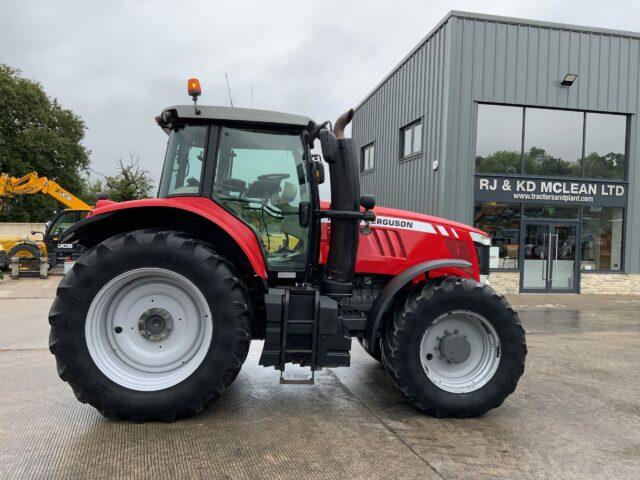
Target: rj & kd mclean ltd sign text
(549,191)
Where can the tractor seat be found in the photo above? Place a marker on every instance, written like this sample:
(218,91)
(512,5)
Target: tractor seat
(288,195)
(192,185)
(290,224)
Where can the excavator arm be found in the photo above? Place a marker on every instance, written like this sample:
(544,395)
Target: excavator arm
(31,184)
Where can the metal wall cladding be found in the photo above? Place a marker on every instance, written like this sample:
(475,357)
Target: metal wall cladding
(418,89)
(470,58)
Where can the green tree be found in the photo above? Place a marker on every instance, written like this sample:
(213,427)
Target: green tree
(502,161)
(538,162)
(38,134)
(132,182)
(611,165)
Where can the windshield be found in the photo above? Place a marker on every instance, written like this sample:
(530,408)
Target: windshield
(183,163)
(260,177)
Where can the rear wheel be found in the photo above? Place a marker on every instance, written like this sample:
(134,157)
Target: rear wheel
(150,325)
(456,348)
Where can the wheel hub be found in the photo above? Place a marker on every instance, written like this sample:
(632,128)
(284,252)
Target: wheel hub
(454,348)
(460,351)
(155,324)
(148,329)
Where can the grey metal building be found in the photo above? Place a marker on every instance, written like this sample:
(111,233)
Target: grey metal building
(526,129)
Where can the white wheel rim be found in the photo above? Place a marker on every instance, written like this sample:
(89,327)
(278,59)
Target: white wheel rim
(148,329)
(460,351)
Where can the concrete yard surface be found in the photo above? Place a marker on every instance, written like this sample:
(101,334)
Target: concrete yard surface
(575,414)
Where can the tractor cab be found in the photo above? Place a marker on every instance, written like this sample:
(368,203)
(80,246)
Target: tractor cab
(259,174)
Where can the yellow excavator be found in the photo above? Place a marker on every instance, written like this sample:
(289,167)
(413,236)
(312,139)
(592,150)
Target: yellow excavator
(19,246)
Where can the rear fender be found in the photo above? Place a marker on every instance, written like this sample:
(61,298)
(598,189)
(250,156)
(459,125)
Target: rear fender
(388,293)
(213,225)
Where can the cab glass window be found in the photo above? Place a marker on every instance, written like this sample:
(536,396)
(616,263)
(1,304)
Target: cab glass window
(261,178)
(183,163)
(65,221)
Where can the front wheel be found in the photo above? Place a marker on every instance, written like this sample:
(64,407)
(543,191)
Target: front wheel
(456,348)
(150,325)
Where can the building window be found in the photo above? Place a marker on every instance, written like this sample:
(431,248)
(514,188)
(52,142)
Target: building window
(499,141)
(601,238)
(550,142)
(411,140)
(604,148)
(502,223)
(553,142)
(367,157)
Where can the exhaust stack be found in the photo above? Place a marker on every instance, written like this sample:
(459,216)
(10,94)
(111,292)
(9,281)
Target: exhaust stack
(339,153)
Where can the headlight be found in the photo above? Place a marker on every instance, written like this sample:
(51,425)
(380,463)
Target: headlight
(481,239)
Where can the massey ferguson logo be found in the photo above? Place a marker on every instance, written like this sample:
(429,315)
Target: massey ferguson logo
(393,222)
(403,224)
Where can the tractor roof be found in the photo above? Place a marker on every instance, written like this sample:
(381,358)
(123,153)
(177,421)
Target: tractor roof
(233,114)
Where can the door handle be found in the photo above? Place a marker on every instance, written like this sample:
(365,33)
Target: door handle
(545,262)
(549,267)
(553,265)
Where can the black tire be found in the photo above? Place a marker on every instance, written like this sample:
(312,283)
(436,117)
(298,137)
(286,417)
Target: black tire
(404,334)
(24,247)
(213,275)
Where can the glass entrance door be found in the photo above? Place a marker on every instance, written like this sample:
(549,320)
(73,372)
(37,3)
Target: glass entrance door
(549,257)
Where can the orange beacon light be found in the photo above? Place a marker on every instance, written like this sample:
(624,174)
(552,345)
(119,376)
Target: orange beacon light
(193,87)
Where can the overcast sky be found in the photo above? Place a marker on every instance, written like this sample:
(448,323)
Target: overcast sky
(117,63)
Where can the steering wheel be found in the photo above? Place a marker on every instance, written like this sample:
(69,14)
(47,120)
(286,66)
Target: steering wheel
(273,176)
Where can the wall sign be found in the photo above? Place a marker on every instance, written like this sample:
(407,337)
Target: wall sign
(490,188)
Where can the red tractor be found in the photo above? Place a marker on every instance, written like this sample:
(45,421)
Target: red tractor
(155,319)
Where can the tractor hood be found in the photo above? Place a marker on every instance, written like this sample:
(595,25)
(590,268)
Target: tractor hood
(382,213)
(400,239)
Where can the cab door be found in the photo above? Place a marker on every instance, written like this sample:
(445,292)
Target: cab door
(261,178)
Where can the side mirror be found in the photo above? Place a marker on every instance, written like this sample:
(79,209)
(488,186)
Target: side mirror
(317,169)
(304,214)
(329,144)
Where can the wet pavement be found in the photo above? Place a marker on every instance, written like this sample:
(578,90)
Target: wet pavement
(575,414)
